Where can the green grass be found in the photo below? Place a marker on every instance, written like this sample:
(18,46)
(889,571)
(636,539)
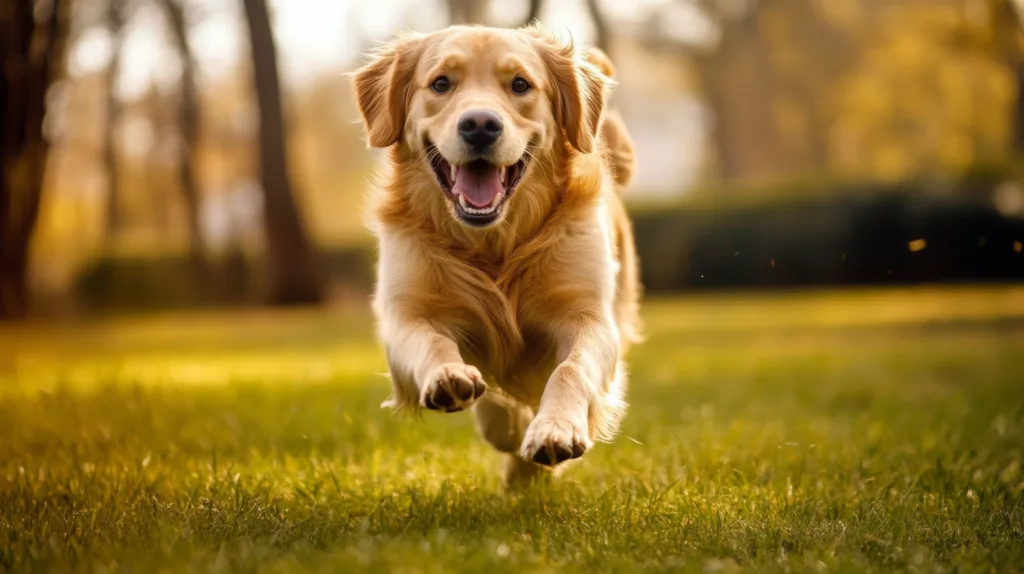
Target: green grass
(850,431)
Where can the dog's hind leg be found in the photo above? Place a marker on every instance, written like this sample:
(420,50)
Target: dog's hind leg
(502,422)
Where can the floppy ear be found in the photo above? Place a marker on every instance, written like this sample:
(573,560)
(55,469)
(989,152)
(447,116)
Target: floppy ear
(382,89)
(581,90)
(597,57)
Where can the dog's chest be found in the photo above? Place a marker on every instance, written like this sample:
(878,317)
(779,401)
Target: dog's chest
(522,374)
(515,349)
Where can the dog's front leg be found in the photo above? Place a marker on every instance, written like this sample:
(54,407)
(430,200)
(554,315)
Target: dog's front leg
(427,369)
(575,397)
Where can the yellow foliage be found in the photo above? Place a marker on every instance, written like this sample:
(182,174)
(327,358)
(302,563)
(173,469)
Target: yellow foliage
(917,101)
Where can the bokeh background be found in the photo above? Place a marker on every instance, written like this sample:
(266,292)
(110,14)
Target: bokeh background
(175,153)
(189,378)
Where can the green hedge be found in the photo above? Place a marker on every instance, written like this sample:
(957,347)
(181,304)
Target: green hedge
(897,236)
(173,282)
(797,234)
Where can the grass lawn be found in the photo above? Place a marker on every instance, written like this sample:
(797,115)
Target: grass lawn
(841,430)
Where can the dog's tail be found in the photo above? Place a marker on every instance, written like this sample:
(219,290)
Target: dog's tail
(613,129)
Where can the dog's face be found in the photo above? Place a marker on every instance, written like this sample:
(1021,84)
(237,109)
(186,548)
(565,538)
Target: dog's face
(478,107)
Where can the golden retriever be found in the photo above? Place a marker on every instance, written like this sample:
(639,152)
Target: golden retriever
(505,251)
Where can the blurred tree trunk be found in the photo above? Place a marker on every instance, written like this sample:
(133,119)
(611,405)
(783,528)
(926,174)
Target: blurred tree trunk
(1018,111)
(733,80)
(115,23)
(730,75)
(32,37)
(1009,19)
(601,35)
(188,131)
(468,11)
(1001,40)
(765,83)
(534,12)
(295,277)
(727,150)
(827,50)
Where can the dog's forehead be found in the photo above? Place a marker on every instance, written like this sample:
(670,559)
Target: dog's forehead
(480,45)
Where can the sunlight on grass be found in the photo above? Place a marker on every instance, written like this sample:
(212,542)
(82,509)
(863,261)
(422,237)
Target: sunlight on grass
(832,309)
(315,364)
(842,430)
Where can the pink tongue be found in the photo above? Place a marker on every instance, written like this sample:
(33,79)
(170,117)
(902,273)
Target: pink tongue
(478,186)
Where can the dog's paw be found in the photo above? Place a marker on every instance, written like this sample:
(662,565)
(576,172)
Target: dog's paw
(551,440)
(452,387)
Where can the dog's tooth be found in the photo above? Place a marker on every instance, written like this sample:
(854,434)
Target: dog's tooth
(462,202)
(455,171)
(501,173)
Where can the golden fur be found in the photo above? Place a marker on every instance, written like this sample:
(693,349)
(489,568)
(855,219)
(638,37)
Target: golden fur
(544,303)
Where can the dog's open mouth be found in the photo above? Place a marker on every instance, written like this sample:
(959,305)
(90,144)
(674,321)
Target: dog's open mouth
(478,189)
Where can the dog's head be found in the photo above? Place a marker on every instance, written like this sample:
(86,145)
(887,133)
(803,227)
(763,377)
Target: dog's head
(479,107)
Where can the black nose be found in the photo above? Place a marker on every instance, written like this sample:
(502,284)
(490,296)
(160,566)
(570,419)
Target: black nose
(480,128)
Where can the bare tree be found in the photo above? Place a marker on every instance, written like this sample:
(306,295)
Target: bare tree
(32,38)
(295,277)
(188,131)
(725,72)
(115,25)
(742,79)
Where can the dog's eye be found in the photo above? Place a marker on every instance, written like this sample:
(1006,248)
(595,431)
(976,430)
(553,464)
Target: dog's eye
(520,86)
(441,84)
